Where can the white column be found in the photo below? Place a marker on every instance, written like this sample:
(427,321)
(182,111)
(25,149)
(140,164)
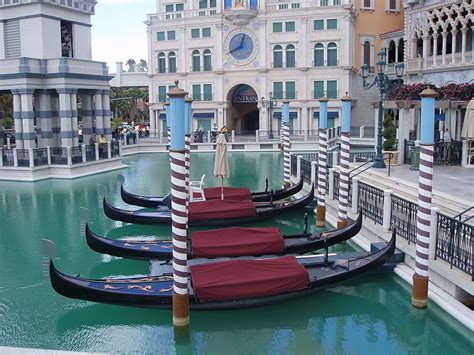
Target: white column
(435,48)
(355,194)
(106,114)
(453,46)
(444,47)
(425,51)
(387,209)
(98,113)
(87,121)
(304,121)
(56,122)
(65,117)
(46,119)
(463,45)
(28,118)
(304,42)
(396,53)
(74,119)
(217,54)
(433,230)
(152,123)
(17,119)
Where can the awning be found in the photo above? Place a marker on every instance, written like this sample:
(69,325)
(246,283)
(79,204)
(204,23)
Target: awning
(293,115)
(238,279)
(237,241)
(230,193)
(203,115)
(331,115)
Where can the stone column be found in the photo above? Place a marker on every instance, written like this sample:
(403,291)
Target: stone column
(17,119)
(444,34)
(87,120)
(425,51)
(453,46)
(28,118)
(46,119)
(65,115)
(74,119)
(56,122)
(218,50)
(152,123)
(98,113)
(463,45)
(262,117)
(304,44)
(106,114)
(403,132)
(435,48)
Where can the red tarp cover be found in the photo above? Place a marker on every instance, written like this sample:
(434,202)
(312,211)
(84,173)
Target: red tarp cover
(230,193)
(235,279)
(220,209)
(237,241)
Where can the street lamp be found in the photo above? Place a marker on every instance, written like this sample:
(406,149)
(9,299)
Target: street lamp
(271,103)
(385,85)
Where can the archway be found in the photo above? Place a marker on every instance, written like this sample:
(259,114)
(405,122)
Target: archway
(243,113)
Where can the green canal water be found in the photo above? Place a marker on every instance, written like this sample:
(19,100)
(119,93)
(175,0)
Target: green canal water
(368,315)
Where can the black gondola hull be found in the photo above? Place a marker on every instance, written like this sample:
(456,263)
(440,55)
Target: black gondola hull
(162,250)
(80,288)
(163,216)
(155,202)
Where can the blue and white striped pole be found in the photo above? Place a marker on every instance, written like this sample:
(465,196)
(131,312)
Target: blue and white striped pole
(179,212)
(285,112)
(322,162)
(168,121)
(345,155)
(419,297)
(187,129)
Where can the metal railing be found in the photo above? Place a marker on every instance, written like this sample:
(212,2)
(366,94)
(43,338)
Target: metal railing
(403,218)
(445,153)
(306,170)
(371,202)
(294,165)
(115,149)
(40,157)
(7,155)
(23,157)
(58,155)
(337,179)
(455,243)
(76,155)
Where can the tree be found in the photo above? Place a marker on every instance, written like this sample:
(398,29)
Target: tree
(130,63)
(143,66)
(389,133)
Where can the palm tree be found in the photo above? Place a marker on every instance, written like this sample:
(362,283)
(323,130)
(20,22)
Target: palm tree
(143,65)
(130,63)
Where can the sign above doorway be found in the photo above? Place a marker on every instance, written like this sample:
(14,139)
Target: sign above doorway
(244,94)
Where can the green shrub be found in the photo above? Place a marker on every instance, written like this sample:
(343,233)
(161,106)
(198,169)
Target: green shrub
(389,133)
(7,123)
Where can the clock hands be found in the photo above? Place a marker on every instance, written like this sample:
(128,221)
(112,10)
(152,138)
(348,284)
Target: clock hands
(242,42)
(239,46)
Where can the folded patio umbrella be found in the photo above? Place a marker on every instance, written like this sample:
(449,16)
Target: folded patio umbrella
(468,126)
(221,164)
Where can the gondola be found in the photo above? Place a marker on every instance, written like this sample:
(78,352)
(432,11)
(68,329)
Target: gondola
(234,284)
(212,213)
(230,193)
(227,242)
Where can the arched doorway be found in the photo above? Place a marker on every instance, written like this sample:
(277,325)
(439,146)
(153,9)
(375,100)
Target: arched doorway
(243,113)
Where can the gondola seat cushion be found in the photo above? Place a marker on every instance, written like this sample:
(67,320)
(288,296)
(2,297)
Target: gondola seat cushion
(230,193)
(237,241)
(221,209)
(240,279)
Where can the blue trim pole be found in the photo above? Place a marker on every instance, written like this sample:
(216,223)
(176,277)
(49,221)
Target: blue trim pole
(323,114)
(427,120)
(346,115)
(188,115)
(285,112)
(177,120)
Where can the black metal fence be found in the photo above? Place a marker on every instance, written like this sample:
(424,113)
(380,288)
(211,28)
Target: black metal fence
(7,155)
(337,178)
(40,156)
(408,148)
(23,157)
(306,170)
(403,218)
(58,156)
(371,202)
(445,153)
(455,243)
(294,165)
(361,156)
(115,149)
(90,152)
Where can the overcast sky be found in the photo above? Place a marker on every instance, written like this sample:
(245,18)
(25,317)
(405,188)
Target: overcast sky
(118,31)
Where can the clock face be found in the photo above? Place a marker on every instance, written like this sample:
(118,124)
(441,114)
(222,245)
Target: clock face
(241,46)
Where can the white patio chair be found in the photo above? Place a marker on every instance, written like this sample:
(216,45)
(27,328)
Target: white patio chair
(197,187)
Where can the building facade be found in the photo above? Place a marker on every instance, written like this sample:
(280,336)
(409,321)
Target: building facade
(232,56)
(46,64)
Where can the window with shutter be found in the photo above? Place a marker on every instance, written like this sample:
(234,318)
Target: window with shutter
(12,39)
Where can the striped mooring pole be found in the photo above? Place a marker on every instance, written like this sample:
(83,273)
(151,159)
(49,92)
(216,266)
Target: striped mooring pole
(168,121)
(286,144)
(419,297)
(322,162)
(187,141)
(345,155)
(179,212)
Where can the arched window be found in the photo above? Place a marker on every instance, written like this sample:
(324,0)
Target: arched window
(207,60)
(172,62)
(401,50)
(196,60)
(391,52)
(332,54)
(278,56)
(161,63)
(290,56)
(318,55)
(367,54)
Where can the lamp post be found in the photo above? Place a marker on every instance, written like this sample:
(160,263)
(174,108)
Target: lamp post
(384,84)
(271,103)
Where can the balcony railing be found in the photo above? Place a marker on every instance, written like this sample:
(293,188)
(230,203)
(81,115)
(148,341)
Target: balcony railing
(284,65)
(285,5)
(331,94)
(419,63)
(280,95)
(202,68)
(203,97)
(180,15)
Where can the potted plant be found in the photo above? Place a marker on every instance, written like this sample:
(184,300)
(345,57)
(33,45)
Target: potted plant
(389,134)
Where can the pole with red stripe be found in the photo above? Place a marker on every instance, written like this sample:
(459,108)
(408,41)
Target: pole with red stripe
(322,162)
(425,182)
(345,156)
(286,144)
(179,212)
